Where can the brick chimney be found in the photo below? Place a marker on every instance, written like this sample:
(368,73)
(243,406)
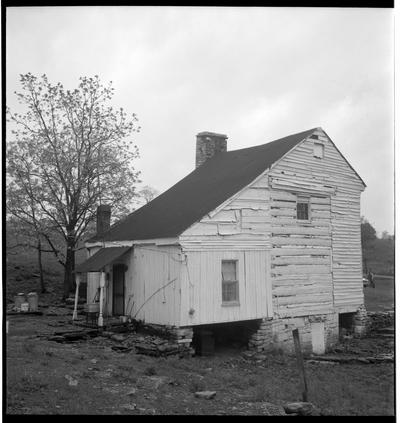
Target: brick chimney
(208,144)
(103,219)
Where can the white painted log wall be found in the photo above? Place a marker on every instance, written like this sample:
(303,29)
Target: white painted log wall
(239,231)
(301,254)
(242,224)
(300,172)
(93,278)
(312,268)
(151,267)
(201,287)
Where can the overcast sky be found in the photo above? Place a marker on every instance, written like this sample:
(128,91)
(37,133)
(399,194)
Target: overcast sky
(255,74)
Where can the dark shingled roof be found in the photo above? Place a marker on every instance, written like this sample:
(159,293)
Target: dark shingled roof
(204,189)
(100,259)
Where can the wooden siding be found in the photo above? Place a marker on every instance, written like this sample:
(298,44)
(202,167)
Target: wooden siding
(201,287)
(242,224)
(333,233)
(314,266)
(239,230)
(301,255)
(93,278)
(151,268)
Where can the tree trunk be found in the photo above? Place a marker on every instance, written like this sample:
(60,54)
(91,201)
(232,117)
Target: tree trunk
(69,268)
(42,285)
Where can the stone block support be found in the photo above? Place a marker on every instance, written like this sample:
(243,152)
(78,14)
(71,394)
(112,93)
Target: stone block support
(360,322)
(276,334)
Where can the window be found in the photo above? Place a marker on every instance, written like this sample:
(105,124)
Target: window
(318,150)
(302,210)
(230,285)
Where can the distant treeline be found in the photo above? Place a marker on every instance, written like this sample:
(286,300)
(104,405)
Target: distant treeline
(378,253)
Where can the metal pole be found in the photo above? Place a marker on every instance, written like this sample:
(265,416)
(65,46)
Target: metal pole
(102,284)
(78,281)
(300,363)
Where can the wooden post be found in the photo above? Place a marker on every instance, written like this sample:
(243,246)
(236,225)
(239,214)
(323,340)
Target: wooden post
(300,363)
(102,285)
(78,281)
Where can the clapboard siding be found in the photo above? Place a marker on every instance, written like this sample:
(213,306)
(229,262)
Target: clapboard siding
(241,223)
(240,229)
(334,191)
(301,252)
(201,287)
(150,268)
(93,278)
(318,262)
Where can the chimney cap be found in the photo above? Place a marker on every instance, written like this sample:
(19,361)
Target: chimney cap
(104,207)
(211,134)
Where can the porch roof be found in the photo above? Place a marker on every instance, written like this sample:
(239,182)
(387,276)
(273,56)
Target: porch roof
(100,259)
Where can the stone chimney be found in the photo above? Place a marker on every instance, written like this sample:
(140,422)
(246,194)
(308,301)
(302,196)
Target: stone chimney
(103,219)
(208,144)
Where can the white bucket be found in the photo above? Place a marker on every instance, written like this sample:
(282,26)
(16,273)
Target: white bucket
(123,319)
(25,307)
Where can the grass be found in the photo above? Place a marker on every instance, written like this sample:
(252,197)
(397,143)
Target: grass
(36,370)
(381,297)
(36,382)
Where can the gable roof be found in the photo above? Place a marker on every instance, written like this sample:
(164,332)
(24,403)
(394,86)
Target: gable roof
(204,189)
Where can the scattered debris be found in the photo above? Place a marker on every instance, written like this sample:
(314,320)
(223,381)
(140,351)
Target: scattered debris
(380,319)
(132,392)
(300,408)
(121,348)
(118,338)
(205,394)
(71,380)
(387,330)
(57,311)
(152,382)
(15,313)
(273,409)
(321,362)
(382,358)
(71,336)
(130,407)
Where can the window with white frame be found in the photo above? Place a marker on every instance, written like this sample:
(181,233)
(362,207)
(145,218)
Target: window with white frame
(230,284)
(318,150)
(303,209)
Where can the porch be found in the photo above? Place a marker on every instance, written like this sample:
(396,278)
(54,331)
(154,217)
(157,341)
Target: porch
(107,269)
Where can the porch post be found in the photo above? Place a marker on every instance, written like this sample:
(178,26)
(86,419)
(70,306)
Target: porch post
(78,281)
(102,285)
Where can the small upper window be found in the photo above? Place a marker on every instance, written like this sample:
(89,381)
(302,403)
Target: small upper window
(230,285)
(302,210)
(318,150)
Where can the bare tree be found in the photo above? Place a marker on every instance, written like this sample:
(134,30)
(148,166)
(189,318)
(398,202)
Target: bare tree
(148,193)
(69,151)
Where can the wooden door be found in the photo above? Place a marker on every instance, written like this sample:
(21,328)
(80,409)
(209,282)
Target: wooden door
(118,290)
(318,337)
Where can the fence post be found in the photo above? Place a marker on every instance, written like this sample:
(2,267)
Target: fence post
(300,363)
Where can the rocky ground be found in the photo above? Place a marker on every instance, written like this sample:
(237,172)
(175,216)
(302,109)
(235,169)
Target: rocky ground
(54,367)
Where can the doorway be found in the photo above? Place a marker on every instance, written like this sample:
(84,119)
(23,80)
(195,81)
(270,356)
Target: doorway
(118,289)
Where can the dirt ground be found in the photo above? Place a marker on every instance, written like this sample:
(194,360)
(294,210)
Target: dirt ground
(89,377)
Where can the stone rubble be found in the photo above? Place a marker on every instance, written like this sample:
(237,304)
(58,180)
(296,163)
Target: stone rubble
(301,408)
(205,394)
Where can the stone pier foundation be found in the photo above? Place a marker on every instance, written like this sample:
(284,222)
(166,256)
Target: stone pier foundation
(360,322)
(318,333)
(183,337)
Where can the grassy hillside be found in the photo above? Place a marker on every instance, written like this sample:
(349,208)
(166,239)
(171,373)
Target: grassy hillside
(22,274)
(378,255)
